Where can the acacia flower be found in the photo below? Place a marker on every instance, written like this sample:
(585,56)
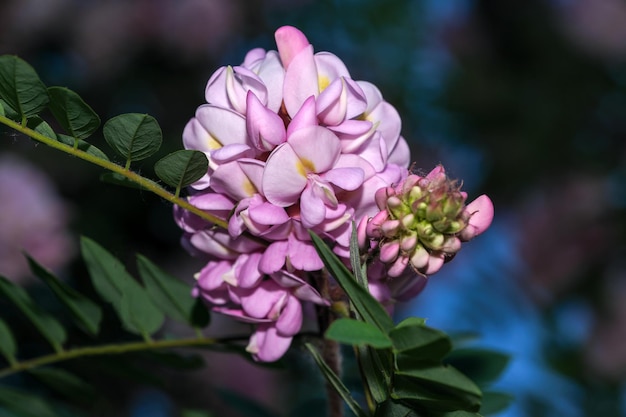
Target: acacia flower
(294,144)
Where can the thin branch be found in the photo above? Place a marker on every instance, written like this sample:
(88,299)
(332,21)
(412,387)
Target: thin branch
(143,182)
(114,349)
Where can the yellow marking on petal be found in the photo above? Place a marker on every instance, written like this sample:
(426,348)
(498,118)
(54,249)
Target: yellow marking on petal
(304,166)
(323,82)
(248,187)
(213,143)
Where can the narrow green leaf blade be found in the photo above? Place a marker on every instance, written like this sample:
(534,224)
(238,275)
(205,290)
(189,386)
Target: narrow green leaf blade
(494,402)
(20,87)
(47,325)
(370,310)
(23,404)
(134,136)
(73,114)
(172,295)
(376,366)
(181,168)
(483,366)
(83,146)
(108,274)
(40,126)
(336,382)
(129,299)
(391,408)
(415,392)
(360,270)
(1,109)
(419,341)
(444,378)
(84,311)
(138,312)
(8,348)
(358,333)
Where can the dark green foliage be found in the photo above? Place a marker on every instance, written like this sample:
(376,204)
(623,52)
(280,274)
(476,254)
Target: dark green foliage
(73,114)
(181,168)
(20,87)
(133,136)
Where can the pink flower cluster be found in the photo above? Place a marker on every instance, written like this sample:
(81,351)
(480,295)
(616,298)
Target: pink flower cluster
(421,224)
(294,144)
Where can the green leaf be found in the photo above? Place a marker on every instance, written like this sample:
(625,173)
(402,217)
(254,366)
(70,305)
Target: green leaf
(87,313)
(9,113)
(483,366)
(172,295)
(1,108)
(415,340)
(335,382)
(83,146)
(24,404)
(414,392)
(73,114)
(66,384)
(134,136)
(40,126)
(376,368)
(130,300)
(119,179)
(7,342)
(355,332)
(494,402)
(107,273)
(391,408)
(20,87)
(370,310)
(360,269)
(138,312)
(181,168)
(47,325)
(443,378)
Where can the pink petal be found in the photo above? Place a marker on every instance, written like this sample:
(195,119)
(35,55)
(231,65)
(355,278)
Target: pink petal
(329,67)
(301,80)
(481,211)
(259,301)
(284,176)
(274,257)
(231,152)
(347,178)
(305,117)
(272,73)
(224,126)
(290,321)
(303,255)
(317,147)
(230,179)
(249,275)
(267,345)
(312,208)
(254,171)
(268,214)
(290,41)
(341,100)
(265,128)
(400,155)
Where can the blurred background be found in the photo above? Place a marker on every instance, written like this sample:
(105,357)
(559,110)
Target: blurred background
(523,100)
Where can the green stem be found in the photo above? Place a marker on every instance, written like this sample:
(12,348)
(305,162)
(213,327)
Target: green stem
(145,183)
(115,349)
